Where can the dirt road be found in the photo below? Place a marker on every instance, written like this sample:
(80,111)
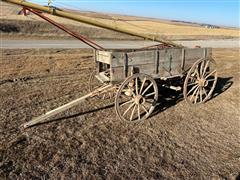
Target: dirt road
(26,44)
(88,141)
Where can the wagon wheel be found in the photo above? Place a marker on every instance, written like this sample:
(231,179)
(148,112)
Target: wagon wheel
(200,81)
(136,98)
(94,84)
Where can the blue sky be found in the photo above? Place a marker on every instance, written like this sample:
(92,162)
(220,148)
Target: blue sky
(218,12)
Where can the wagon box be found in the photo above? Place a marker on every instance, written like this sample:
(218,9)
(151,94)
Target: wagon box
(158,63)
(135,73)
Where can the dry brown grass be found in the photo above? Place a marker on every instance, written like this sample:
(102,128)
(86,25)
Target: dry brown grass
(88,141)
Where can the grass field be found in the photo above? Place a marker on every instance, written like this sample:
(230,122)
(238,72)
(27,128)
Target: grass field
(90,142)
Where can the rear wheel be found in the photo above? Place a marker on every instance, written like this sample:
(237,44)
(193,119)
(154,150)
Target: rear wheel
(200,81)
(136,98)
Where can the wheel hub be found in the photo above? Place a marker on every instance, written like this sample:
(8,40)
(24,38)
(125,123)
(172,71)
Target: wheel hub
(139,99)
(202,82)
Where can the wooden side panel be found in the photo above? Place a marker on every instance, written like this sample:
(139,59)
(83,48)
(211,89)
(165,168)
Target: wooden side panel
(118,73)
(125,64)
(134,58)
(104,56)
(157,63)
(170,62)
(192,55)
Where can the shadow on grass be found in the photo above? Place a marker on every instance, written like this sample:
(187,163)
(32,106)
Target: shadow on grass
(223,84)
(169,98)
(75,115)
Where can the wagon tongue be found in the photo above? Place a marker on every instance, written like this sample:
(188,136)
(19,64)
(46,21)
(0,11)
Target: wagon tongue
(43,118)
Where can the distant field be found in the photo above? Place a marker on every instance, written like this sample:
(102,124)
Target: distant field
(154,27)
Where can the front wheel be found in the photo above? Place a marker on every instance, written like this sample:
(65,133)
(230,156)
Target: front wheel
(94,84)
(136,98)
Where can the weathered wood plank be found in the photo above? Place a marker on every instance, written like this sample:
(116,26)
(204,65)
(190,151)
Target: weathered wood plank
(170,62)
(104,56)
(165,63)
(139,57)
(192,55)
(118,73)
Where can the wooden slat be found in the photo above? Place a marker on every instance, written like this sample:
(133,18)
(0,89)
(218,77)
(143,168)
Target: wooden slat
(139,57)
(193,54)
(183,59)
(104,56)
(156,62)
(118,73)
(170,62)
(125,65)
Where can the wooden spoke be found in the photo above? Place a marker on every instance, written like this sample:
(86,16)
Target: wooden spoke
(144,80)
(146,89)
(127,102)
(150,94)
(197,73)
(125,112)
(194,83)
(139,115)
(131,117)
(148,105)
(209,80)
(211,73)
(201,69)
(136,85)
(206,66)
(195,91)
(144,108)
(150,101)
(194,87)
(204,91)
(201,94)
(196,97)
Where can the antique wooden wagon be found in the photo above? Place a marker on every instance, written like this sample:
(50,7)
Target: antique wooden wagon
(133,78)
(134,75)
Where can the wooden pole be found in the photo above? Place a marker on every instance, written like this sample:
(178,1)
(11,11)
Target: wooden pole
(42,118)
